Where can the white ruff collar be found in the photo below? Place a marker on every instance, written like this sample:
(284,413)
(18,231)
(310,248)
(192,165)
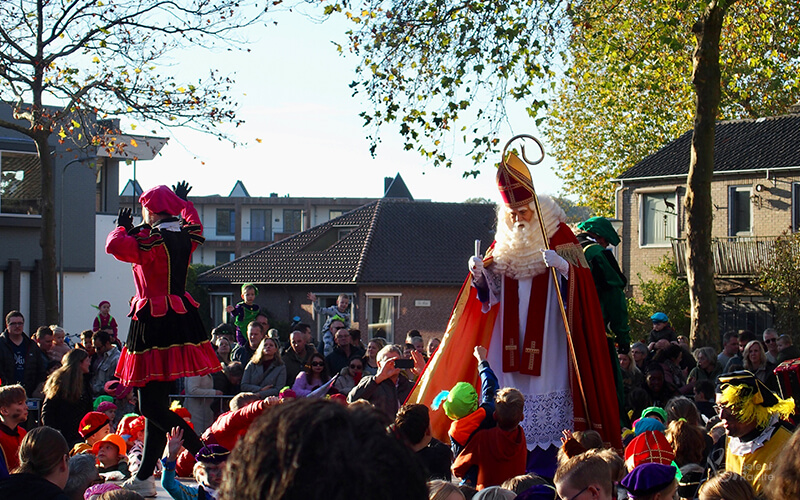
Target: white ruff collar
(173,225)
(741,448)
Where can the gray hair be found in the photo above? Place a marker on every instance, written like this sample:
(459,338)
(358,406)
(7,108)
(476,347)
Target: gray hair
(383,353)
(708,352)
(638,346)
(82,473)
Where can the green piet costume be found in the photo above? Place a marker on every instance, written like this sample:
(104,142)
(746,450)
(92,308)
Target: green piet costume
(608,278)
(610,284)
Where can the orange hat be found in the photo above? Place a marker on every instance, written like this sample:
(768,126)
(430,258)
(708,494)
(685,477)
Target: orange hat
(117,441)
(515,182)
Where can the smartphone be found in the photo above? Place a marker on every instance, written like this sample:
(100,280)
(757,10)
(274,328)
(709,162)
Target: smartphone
(403,364)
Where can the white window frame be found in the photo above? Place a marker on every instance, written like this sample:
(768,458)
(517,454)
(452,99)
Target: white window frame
(320,319)
(795,206)
(14,153)
(220,316)
(642,193)
(731,208)
(390,336)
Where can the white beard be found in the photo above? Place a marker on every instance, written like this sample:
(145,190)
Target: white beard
(517,250)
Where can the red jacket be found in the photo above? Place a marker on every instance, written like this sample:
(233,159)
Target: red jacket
(499,455)
(225,431)
(155,281)
(9,445)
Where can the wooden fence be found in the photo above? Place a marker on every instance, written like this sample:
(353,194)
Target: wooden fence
(735,256)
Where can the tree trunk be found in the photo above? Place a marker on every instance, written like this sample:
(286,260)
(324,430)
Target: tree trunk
(699,261)
(47,239)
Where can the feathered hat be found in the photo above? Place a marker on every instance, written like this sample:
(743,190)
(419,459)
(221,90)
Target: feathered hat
(751,400)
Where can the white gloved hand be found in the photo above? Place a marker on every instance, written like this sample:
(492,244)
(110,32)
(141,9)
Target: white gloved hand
(552,259)
(475,265)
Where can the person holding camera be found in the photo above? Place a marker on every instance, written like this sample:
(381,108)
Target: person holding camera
(388,390)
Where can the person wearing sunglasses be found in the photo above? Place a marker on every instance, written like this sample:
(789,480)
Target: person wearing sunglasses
(770,336)
(314,374)
(350,375)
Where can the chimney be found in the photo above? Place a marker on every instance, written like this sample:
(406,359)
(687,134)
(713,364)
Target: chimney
(387,182)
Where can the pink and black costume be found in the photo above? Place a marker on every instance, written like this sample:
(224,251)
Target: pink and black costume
(167,339)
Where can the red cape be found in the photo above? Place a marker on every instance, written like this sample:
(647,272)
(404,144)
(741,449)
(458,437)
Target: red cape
(468,326)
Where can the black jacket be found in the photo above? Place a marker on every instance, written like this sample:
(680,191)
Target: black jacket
(30,486)
(35,363)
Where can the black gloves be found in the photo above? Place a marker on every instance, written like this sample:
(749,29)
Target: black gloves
(182,190)
(125,219)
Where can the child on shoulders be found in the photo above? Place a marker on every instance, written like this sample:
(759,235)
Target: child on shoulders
(244,312)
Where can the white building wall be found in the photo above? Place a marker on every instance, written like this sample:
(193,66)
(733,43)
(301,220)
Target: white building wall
(111,281)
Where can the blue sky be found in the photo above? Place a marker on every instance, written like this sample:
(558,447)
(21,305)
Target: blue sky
(293,91)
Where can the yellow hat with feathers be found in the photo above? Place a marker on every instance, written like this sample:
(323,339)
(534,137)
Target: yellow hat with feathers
(751,400)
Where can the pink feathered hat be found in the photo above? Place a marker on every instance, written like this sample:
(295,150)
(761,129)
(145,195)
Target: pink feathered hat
(161,199)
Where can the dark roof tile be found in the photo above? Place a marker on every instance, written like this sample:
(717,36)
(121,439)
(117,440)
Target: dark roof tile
(391,241)
(756,144)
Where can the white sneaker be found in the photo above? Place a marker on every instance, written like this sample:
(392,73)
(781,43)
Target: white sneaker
(144,487)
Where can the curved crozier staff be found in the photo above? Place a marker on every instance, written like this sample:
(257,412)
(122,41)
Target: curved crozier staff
(553,273)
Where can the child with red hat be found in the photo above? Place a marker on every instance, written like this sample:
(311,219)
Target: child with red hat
(167,339)
(104,320)
(94,426)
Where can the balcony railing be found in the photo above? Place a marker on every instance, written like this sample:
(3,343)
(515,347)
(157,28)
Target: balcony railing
(734,256)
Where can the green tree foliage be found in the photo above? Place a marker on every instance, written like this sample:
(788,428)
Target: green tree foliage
(575,211)
(447,70)
(444,71)
(200,293)
(780,279)
(666,293)
(109,58)
(623,99)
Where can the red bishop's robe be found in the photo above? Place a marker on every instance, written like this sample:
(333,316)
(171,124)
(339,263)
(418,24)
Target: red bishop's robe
(470,326)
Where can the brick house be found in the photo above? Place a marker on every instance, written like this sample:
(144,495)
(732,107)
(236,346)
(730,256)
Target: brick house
(755,193)
(402,262)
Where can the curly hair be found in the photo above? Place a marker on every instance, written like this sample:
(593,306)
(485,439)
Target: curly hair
(313,449)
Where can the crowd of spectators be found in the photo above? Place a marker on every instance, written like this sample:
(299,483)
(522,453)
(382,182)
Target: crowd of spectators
(288,420)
